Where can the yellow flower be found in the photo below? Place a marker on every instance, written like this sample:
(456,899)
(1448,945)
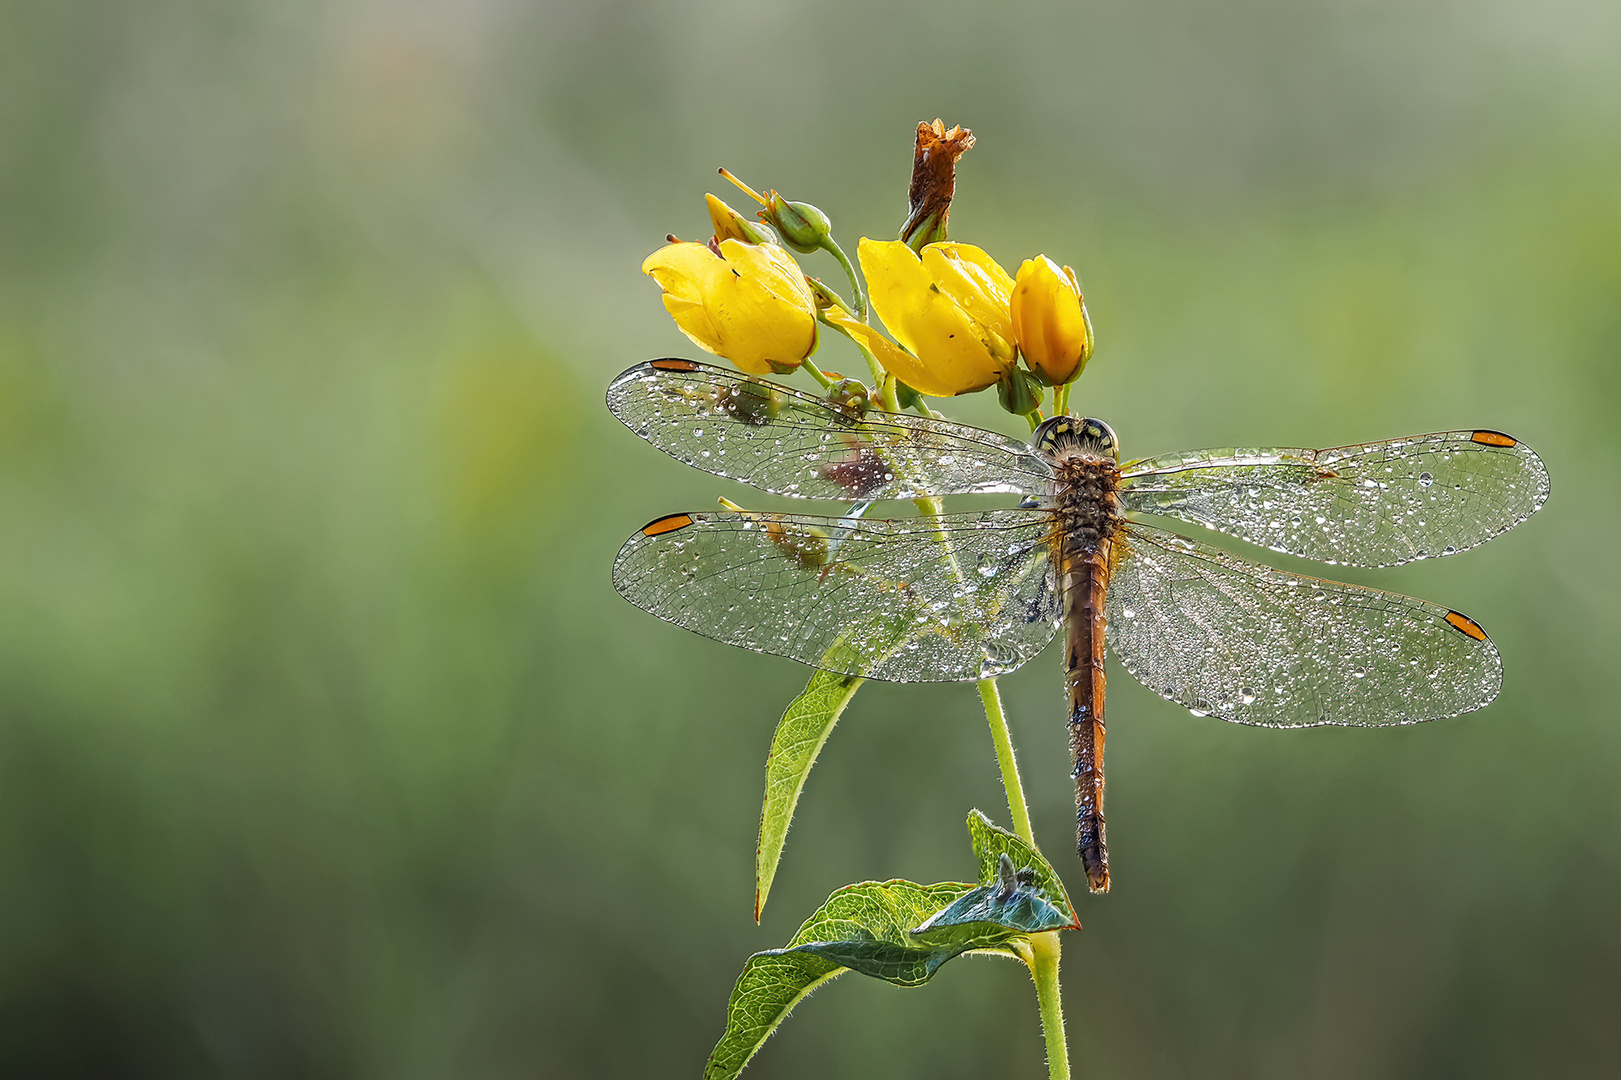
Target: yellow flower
(1049,321)
(749,304)
(949,307)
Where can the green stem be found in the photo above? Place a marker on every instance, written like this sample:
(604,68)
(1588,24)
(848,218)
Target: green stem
(886,382)
(1011,783)
(1044,949)
(837,252)
(1044,953)
(873,366)
(822,289)
(816,373)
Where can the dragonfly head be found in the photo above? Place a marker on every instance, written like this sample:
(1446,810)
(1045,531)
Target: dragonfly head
(1060,433)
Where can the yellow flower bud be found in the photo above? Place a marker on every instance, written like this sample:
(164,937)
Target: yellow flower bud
(749,304)
(949,307)
(1049,321)
(729,224)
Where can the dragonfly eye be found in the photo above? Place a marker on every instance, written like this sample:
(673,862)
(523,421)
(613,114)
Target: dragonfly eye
(1086,434)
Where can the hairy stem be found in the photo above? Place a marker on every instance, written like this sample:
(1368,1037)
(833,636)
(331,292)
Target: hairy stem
(1043,953)
(1044,950)
(992,697)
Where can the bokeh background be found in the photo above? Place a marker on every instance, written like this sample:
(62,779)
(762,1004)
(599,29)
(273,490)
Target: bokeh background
(327,749)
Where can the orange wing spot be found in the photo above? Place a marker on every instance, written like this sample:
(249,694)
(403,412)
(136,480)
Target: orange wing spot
(1494,438)
(669,524)
(1464,623)
(672,364)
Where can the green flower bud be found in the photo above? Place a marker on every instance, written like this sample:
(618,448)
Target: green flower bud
(802,226)
(1019,393)
(850,397)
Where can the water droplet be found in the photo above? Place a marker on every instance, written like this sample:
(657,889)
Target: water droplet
(994,665)
(1425,479)
(1200,707)
(1127,613)
(1246,695)
(1357,673)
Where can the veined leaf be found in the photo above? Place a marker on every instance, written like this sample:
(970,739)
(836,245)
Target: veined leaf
(991,843)
(800,734)
(1013,902)
(869,928)
(864,928)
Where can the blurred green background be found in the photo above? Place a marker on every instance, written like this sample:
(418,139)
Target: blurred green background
(327,749)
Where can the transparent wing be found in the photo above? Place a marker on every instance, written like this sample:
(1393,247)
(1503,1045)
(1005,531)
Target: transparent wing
(792,443)
(1376,504)
(950,598)
(1231,638)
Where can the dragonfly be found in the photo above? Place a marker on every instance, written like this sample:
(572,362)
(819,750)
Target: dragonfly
(942,597)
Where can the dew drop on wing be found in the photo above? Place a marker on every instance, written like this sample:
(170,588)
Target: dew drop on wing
(1200,707)
(1246,695)
(997,661)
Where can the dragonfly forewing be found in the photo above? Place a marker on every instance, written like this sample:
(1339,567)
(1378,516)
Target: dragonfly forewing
(792,443)
(1227,637)
(951,598)
(1374,504)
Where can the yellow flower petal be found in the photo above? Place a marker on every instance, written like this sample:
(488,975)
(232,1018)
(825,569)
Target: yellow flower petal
(895,360)
(978,285)
(728,223)
(956,352)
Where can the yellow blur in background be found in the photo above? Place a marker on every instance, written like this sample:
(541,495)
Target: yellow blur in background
(326,747)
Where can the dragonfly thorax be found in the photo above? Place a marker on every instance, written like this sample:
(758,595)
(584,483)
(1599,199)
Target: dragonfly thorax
(1061,435)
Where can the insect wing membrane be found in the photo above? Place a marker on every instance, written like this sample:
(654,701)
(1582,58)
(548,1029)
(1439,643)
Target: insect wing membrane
(952,598)
(1228,637)
(1375,504)
(792,443)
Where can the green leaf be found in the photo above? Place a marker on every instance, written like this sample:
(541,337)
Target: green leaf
(864,928)
(991,842)
(803,729)
(1014,902)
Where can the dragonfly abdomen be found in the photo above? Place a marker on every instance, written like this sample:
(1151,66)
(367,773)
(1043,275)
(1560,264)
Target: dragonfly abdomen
(1088,511)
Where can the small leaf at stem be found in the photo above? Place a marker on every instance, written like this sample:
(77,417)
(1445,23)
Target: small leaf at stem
(862,927)
(991,842)
(800,734)
(1011,906)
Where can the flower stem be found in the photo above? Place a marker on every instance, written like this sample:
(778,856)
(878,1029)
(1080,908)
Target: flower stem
(1043,952)
(855,283)
(821,288)
(816,373)
(873,366)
